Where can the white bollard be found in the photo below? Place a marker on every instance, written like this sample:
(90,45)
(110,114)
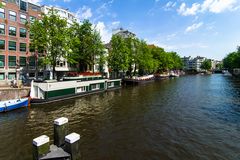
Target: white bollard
(41,147)
(72,145)
(60,131)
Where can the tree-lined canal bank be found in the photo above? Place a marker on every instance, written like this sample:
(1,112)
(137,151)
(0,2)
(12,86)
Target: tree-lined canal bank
(192,117)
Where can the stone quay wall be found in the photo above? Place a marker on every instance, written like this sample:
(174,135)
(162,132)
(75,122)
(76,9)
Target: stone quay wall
(13,93)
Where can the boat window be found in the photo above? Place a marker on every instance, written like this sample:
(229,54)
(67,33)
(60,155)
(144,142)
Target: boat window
(95,86)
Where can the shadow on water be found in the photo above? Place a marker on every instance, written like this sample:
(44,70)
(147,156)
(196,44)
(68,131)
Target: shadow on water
(192,117)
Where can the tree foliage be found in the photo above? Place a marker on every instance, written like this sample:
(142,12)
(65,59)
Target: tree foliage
(232,60)
(50,34)
(85,44)
(135,56)
(119,55)
(206,65)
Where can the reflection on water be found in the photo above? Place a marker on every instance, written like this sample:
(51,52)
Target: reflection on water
(192,117)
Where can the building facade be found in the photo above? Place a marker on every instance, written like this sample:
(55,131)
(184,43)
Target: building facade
(15,57)
(123,33)
(190,63)
(63,13)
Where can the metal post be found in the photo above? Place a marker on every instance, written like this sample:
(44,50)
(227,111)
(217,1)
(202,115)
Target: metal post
(72,145)
(41,147)
(60,131)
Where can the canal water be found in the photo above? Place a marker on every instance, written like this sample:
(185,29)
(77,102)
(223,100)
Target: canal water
(192,117)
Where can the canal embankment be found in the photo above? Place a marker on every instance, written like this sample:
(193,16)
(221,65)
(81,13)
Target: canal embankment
(7,93)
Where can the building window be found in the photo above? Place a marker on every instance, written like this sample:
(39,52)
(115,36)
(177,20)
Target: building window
(23,18)
(23,33)
(12,61)
(22,61)
(2,13)
(12,31)
(12,46)
(32,61)
(11,76)
(23,5)
(2,44)
(12,16)
(32,19)
(2,29)
(2,60)
(2,76)
(23,47)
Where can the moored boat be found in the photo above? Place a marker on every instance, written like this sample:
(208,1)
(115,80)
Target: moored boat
(50,91)
(173,74)
(9,105)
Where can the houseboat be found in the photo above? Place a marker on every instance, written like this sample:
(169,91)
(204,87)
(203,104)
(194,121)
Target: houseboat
(50,91)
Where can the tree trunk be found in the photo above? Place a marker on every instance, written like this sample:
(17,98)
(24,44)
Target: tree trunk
(135,69)
(54,70)
(36,64)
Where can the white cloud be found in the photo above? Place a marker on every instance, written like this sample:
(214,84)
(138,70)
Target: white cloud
(183,10)
(193,27)
(171,36)
(105,10)
(105,32)
(169,6)
(115,24)
(66,0)
(218,6)
(84,13)
(214,6)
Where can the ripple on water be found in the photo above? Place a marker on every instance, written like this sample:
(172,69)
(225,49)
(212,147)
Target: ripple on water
(192,117)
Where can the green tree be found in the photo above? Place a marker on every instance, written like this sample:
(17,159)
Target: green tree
(166,60)
(145,59)
(206,65)
(118,59)
(232,60)
(132,44)
(51,34)
(85,44)
(175,61)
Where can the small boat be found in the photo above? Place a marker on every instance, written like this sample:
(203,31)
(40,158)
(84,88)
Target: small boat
(9,105)
(226,73)
(173,74)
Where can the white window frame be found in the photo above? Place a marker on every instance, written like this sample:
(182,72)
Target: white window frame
(4,27)
(22,16)
(81,89)
(97,87)
(3,11)
(12,13)
(111,84)
(15,30)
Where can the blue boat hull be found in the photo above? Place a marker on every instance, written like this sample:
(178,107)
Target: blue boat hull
(13,104)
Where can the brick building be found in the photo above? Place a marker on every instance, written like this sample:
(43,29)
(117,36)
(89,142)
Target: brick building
(16,60)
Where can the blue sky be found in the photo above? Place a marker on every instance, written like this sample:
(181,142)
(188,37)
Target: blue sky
(209,28)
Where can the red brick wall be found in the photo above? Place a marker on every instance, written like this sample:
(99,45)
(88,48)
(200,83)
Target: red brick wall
(14,7)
